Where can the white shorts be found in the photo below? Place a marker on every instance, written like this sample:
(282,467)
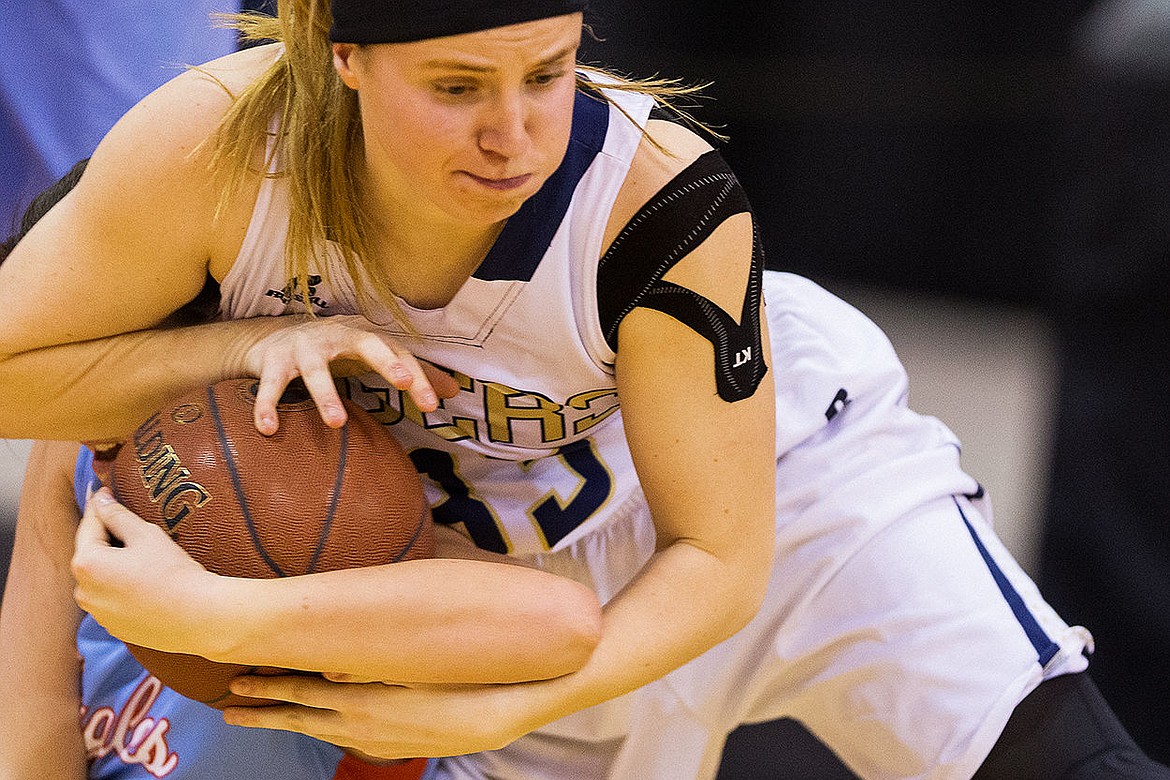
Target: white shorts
(896,626)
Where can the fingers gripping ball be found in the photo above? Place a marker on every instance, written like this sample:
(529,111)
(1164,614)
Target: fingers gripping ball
(308,499)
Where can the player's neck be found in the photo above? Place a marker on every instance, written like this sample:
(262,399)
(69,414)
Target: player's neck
(426,251)
(428,265)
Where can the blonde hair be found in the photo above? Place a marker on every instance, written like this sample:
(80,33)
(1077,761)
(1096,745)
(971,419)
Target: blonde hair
(320,135)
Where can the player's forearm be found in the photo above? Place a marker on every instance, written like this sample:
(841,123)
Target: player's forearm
(101,390)
(684,602)
(43,739)
(434,620)
(39,685)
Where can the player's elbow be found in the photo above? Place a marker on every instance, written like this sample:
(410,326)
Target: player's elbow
(757,575)
(750,598)
(582,625)
(570,630)
(742,580)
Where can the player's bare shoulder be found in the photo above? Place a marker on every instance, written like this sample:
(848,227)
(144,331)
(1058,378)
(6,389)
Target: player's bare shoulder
(237,70)
(667,148)
(154,166)
(173,120)
(681,197)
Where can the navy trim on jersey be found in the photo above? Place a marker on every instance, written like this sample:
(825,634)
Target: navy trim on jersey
(529,232)
(1046,649)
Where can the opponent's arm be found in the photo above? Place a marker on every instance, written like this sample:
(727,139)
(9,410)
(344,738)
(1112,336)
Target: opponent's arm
(81,354)
(40,676)
(478,619)
(129,245)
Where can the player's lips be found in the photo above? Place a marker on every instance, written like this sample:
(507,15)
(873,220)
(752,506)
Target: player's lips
(503,184)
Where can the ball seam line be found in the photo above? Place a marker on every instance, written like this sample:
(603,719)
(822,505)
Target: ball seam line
(237,485)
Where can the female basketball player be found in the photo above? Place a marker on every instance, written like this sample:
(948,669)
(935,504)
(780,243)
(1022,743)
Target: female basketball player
(423,199)
(59,661)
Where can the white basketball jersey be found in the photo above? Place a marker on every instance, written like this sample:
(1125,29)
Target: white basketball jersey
(531,451)
(892,604)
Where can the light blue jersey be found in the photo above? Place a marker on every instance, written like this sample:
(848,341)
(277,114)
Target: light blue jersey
(136,728)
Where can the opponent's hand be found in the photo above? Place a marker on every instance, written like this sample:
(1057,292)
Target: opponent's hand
(132,577)
(317,349)
(388,721)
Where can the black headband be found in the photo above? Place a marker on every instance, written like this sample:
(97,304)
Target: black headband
(400,21)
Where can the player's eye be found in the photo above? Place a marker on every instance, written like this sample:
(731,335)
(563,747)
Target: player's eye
(454,89)
(547,78)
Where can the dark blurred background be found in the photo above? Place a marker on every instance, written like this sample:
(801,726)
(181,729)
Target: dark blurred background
(895,143)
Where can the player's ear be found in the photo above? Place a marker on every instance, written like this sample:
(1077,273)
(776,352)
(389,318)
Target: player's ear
(343,62)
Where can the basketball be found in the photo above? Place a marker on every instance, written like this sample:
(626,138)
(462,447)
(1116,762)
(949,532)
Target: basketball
(307,499)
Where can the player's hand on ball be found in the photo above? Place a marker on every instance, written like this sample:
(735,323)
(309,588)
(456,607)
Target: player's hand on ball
(316,349)
(384,720)
(125,568)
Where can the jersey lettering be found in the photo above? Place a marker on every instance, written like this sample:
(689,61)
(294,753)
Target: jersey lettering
(505,410)
(391,406)
(506,407)
(585,401)
(136,739)
(461,506)
(554,518)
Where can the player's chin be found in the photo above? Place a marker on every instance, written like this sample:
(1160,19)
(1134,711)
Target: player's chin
(487,214)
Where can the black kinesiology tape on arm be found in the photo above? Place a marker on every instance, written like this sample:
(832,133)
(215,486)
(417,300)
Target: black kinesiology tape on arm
(677,220)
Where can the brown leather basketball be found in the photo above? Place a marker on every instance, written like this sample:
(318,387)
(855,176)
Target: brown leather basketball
(307,499)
